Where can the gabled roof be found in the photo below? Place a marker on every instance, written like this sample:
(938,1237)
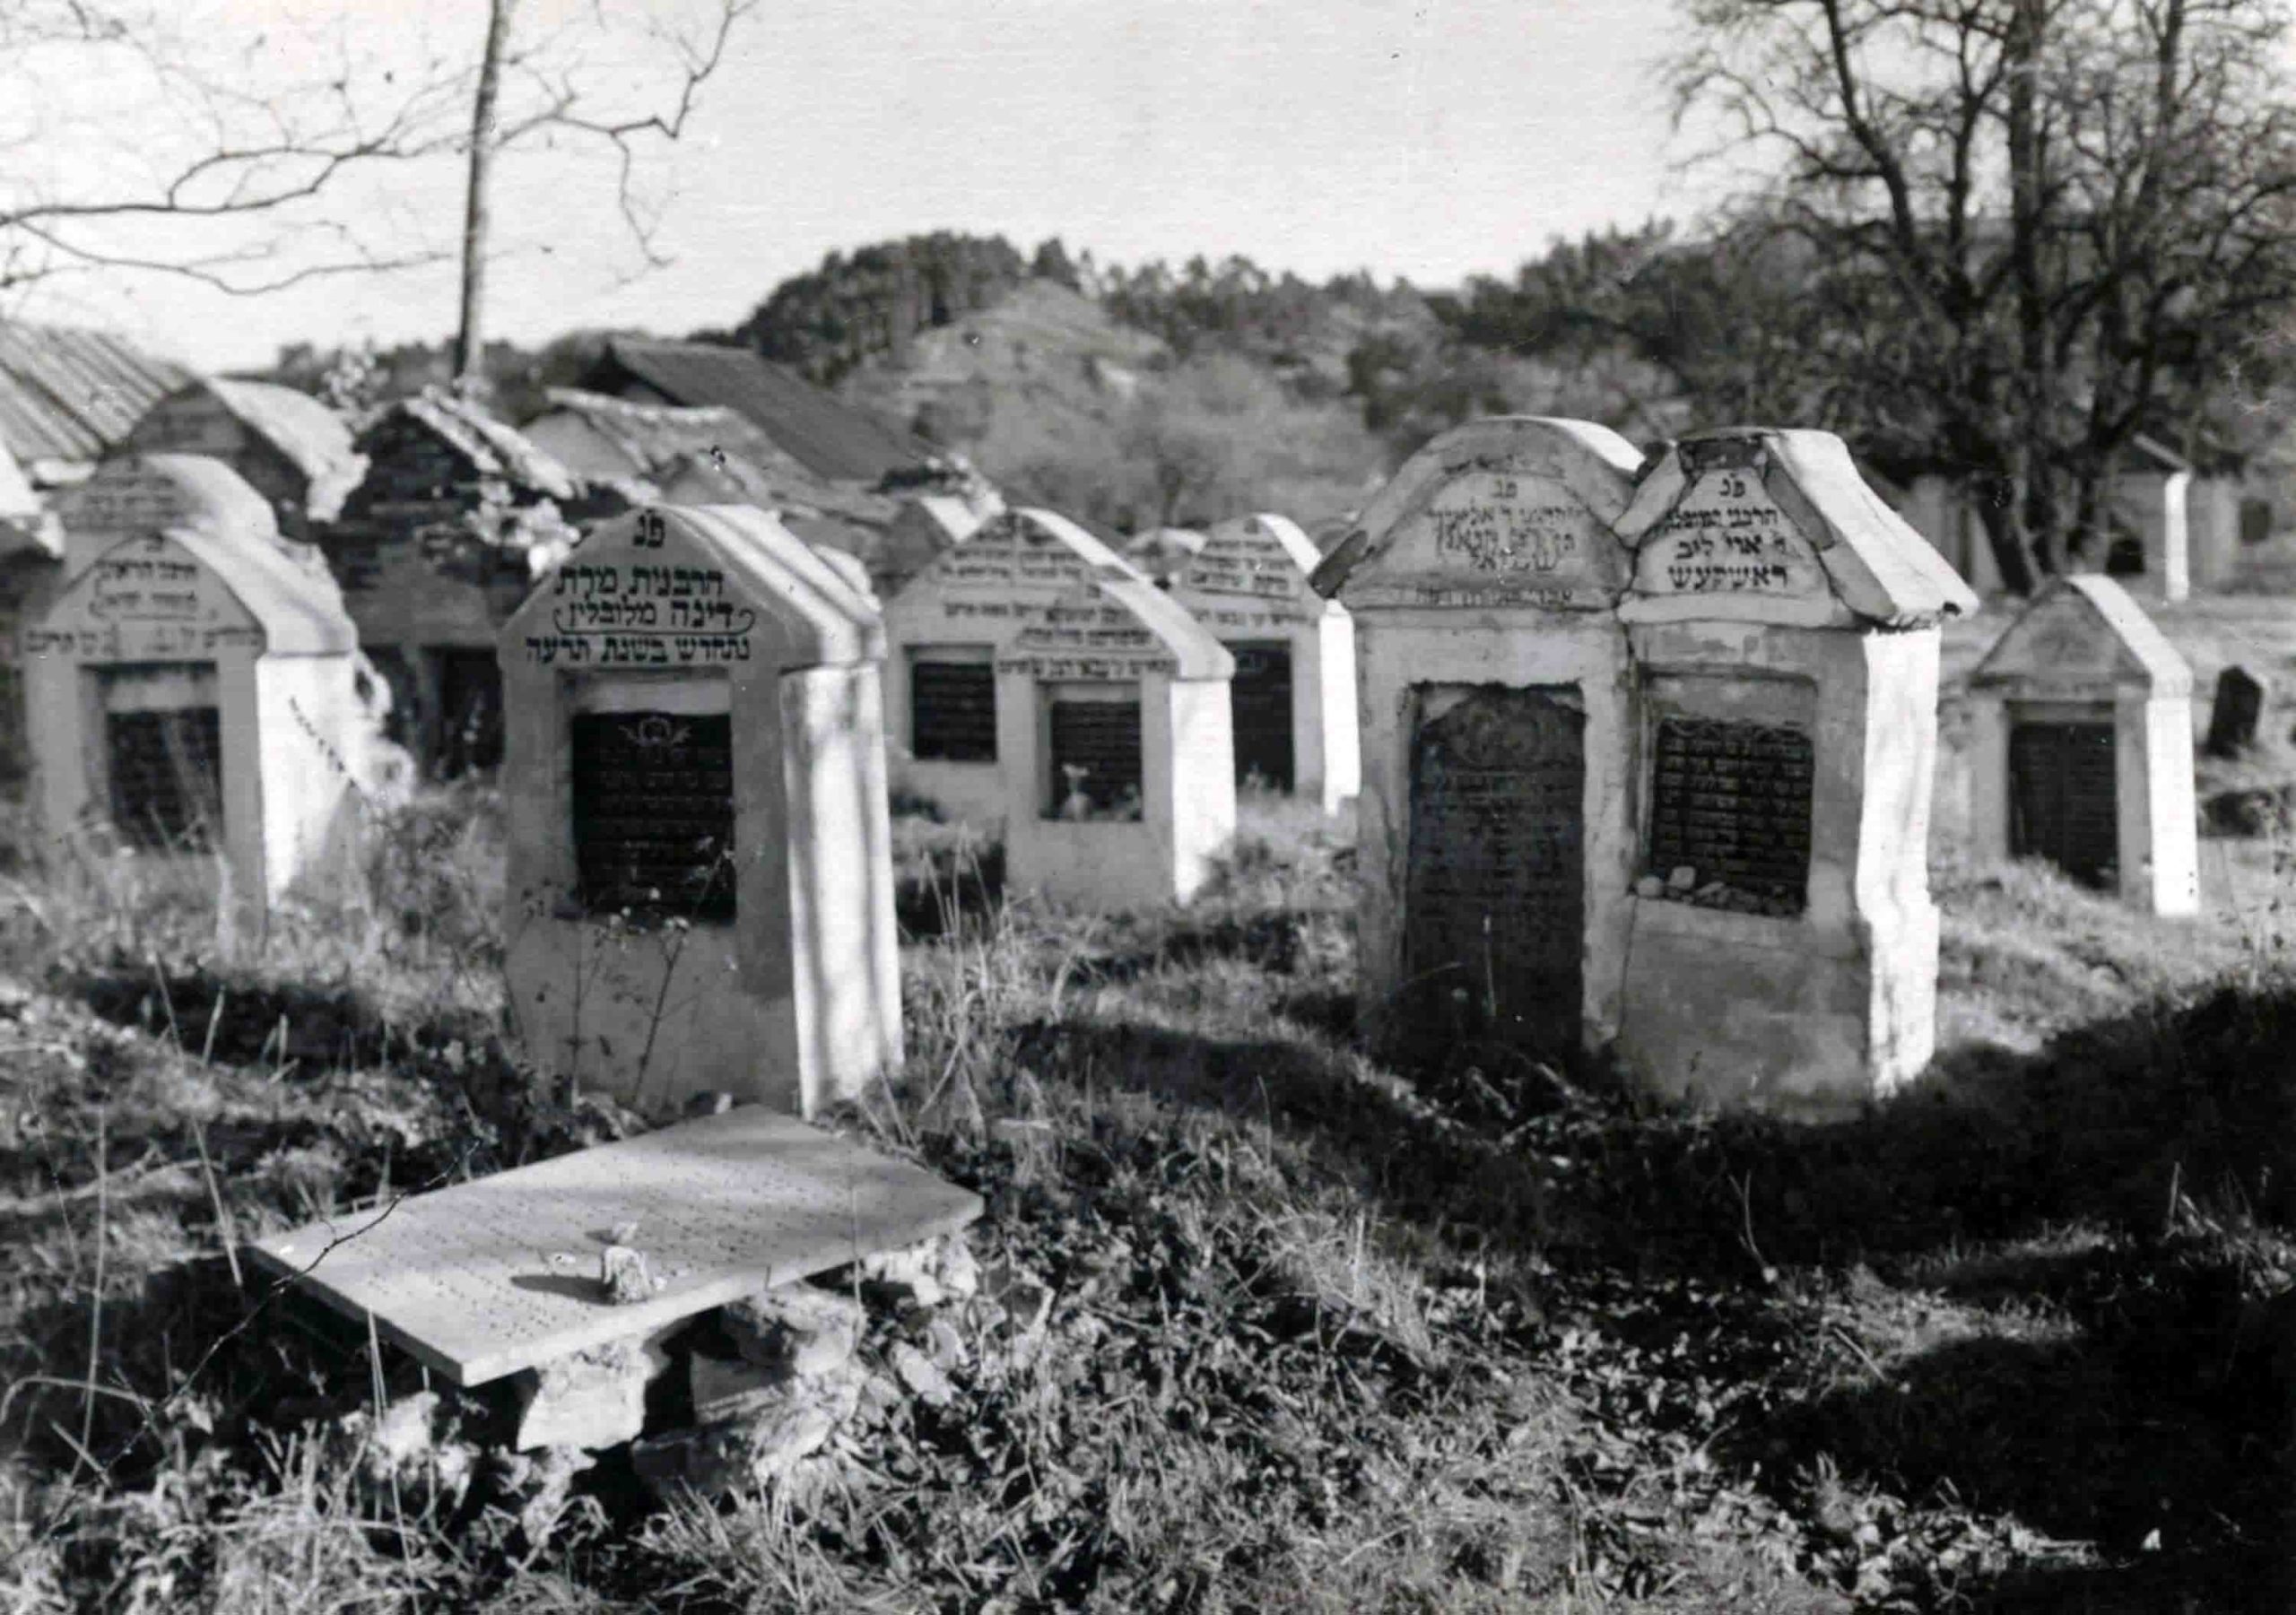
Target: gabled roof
(493,448)
(824,620)
(632,439)
(830,438)
(69,395)
(1871,562)
(2084,629)
(1163,636)
(312,437)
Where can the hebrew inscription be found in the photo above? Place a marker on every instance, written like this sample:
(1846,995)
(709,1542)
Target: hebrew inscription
(654,813)
(2064,798)
(145,600)
(1500,537)
(1728,536)
(642,614)
(1731,803)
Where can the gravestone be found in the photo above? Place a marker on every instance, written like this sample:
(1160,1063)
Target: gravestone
(2235,713)
(1293,696)
(943,633)
(1113,738)
(701,881)
(196,684)
(2081,746)
(1646,750)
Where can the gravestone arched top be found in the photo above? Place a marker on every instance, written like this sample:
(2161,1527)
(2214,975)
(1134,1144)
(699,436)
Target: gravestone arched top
(1754,523)
(1512,511)
(1262,557)
(1116,627)
(1019,553)
(144,494)
(2081,635)
(686,587)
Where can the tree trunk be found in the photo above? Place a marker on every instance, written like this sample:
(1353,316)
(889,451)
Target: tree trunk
(2032,472)
(469,338)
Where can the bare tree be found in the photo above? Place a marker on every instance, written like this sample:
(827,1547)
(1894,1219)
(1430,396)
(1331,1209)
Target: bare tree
(2040,227)
(552,95)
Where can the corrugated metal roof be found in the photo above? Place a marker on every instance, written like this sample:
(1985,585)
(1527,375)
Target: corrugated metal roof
(69,395)
(830,438)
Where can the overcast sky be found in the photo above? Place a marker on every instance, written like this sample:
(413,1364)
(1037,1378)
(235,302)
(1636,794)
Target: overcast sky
(1431,140)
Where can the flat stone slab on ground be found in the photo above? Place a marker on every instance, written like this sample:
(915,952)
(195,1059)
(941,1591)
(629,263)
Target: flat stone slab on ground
(486,1278)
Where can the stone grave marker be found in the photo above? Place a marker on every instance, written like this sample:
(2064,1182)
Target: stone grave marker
(193,681)
(1113,737)
(942,634)
(1647,752)
(1293,695)
(2081,746)
(502,1273)
(701,881)
(2235,715)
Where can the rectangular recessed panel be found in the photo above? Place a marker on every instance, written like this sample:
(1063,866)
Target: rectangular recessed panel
(167,784)
(654,813)
(1260,701)
(2064,798)
(1096,752)
(952,711)
(1732,800)
(487,1278)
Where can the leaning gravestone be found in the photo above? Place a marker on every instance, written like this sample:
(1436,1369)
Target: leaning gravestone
(2235,713)
(700,880)
(2081,750)
(1646,759)
(195,685)
(1114,740)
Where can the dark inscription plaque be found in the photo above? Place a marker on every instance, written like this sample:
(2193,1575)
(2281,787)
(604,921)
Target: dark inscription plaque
(1495,893)
(952,711)
(1102,738)
(1259,705)
(654,814)
(1732,800)
(2064,798)
(167,778)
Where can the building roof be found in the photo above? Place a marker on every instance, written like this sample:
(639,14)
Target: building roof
(493,448)
(824,620)
(24,523)
(67,395)
(312,438)
(828,436)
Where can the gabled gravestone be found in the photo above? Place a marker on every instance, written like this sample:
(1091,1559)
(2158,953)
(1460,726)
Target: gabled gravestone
(1293,696)
(2081,746)
(700,881)
(1646,755)
(943,633)
(1113,737)
(194,682)
(2234,715)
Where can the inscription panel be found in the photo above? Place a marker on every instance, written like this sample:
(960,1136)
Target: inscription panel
(654,813)
(1728,536)
(633,614)
(1495,900)
(1096,759)
(2064,798)
(1259,707)
(167,778)
(1731,801)
(1491,535)
(952,711)
(145,600)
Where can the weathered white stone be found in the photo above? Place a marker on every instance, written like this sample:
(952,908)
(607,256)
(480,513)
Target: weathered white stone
(796,1330)
(924,1378)
(542,1485)
(180,598)
(624,1276)
(2083,653)
(961,609)
(590,1399)
(661,626)
(1247,583)
(1116,643)
(1744,584)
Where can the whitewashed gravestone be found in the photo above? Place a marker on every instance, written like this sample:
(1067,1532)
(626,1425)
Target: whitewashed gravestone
(942,632)
(700,878)
(2081,746)
(1646,754)
(1113,735)
(1295,690)
(191,680)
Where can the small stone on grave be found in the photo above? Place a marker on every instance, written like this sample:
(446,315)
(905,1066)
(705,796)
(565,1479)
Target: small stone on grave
(1650,886)
(1682,879)
(624,1275)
